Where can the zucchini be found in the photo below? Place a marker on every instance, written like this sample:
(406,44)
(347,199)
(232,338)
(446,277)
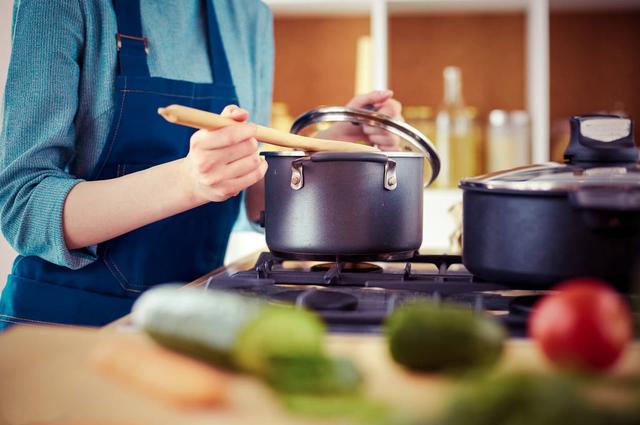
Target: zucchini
(533,399)
(227,329)
(345,409)
(316,374)
(426,336)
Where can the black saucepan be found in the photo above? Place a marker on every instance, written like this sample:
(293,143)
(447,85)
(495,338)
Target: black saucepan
(347,205)
(540,224)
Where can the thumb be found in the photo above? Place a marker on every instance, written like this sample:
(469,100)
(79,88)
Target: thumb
(371,98)
(235,112)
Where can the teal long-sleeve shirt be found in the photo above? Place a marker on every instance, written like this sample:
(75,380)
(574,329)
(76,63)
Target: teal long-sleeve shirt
(59,97)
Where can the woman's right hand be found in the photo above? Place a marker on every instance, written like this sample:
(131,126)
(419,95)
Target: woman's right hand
(221,163)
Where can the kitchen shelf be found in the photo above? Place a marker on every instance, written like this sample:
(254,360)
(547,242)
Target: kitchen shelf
(363,7)
(537,43)
(536,37)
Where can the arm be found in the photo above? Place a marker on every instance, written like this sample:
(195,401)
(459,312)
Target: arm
(254,201)
(219,165)
(38,133)
(47,212)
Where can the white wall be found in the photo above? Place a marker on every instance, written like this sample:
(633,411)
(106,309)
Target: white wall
(6,253)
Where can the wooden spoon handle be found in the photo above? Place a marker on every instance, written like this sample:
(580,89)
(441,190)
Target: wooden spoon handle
(197,118)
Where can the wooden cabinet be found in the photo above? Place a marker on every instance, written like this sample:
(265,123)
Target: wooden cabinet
(592,60)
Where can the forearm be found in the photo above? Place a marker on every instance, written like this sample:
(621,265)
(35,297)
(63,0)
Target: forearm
(96,211)
(220,164)
(254,201)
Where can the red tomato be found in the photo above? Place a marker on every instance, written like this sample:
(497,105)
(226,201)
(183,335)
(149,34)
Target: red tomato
(585,325)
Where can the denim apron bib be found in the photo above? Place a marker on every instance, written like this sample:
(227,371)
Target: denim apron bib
(176,249)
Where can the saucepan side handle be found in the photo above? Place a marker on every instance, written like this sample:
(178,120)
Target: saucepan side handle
(297,173)
(390,181)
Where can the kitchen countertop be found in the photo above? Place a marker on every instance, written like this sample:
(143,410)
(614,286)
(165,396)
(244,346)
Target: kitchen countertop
(45,377)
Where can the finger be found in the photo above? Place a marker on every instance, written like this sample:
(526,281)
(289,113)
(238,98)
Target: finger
(242,167)
(371,98)
(382,140)
(216,139)
(389,148)
(236,185)
(228,109)
(391,107)
(235,112)
(371,131)
(240,150)
(209,160)
(385,142)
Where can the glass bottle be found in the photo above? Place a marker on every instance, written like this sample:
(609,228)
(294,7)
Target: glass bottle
(508,140)
(280,117)
(499,141)
(420,117)
(457,134)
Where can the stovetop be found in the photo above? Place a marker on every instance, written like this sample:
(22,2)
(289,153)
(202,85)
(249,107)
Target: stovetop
(356,297)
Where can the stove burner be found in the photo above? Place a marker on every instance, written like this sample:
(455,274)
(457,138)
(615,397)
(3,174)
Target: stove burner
(348,267)
(353,296)
(289,296)
(318,299)
(328,300)
(523,306)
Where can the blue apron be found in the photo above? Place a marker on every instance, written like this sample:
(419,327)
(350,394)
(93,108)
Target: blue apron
(176,249)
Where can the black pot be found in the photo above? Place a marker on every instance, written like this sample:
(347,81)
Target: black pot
(541,224)
(349,206)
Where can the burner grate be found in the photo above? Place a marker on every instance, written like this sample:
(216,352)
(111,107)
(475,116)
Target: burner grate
(353,297)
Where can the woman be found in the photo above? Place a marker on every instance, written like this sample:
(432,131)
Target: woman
(99,195)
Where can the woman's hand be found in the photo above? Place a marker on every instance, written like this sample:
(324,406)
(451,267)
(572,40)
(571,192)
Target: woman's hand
(222,163)
(219,165)
(379,101)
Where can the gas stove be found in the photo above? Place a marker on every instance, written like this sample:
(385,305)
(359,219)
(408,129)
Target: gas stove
(356,297)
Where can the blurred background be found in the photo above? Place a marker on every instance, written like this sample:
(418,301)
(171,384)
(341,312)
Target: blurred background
(592,58)
(491,82)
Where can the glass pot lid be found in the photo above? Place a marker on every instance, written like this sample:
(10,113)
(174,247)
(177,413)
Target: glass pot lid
(554,177)
(413,139)
(601,154)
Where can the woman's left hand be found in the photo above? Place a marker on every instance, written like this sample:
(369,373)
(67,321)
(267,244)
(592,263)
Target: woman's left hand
(379,101)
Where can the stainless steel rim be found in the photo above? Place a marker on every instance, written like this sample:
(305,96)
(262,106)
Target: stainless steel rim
(373,119)
(301,153)
(488,183)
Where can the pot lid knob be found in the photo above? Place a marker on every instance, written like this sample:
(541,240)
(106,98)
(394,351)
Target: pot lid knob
(601,138)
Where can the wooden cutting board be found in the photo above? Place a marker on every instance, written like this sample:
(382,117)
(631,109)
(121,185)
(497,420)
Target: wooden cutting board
(45,379)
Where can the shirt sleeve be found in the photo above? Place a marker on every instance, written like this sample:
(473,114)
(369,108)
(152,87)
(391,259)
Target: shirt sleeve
(37,141)
(265,68)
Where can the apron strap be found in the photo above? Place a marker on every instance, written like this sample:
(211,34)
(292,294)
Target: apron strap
(132,45)
(217,56)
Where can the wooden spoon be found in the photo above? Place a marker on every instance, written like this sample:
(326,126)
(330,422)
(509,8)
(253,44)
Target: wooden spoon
(197,118)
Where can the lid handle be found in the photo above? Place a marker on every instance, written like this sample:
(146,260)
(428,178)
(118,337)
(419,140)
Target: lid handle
(601,138)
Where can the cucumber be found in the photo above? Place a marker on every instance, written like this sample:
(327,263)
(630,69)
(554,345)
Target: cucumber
(533,399)
(317,374)
(433,337)
(355,409)
(225,328)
